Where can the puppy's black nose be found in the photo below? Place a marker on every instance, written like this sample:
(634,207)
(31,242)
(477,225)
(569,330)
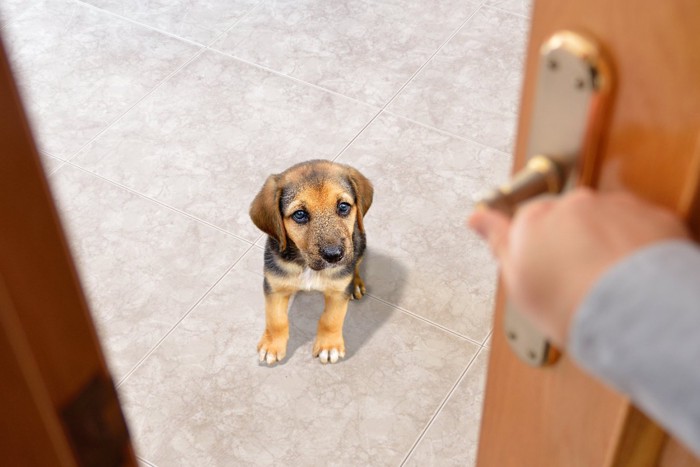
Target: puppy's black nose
(332,254)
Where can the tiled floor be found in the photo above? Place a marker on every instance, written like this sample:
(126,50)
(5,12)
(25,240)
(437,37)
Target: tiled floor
(158,121)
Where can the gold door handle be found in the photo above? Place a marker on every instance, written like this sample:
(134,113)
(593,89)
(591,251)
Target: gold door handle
(541,175)
(573,86)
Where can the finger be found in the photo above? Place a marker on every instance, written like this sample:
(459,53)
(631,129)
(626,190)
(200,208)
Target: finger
(536,209)
(493,227)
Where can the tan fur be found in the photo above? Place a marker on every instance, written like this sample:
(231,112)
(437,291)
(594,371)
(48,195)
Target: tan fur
(317,188)
(330,326)
(359,289)
(276,333)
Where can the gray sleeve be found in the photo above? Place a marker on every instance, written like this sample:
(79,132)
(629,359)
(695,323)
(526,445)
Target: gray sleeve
(638,330)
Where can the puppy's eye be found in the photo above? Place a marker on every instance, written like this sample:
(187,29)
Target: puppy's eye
(344,209)
(300,217)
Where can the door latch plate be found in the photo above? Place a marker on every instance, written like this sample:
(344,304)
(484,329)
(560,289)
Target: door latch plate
(573,87)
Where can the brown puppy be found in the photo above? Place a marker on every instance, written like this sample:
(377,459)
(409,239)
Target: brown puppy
(312,214)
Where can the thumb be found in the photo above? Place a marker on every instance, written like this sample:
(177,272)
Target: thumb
(493,227)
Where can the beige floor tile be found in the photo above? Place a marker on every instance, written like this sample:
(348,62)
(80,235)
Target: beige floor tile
(261,241)
(252,262)
(79,69)
(203,399)
(201,21)
(143,266)
(10,10)
(520,7)
(420,255)
(365,50)
(206,140)
(452,439)
(472,86)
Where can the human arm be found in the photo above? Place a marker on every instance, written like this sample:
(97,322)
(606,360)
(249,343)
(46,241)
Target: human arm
(614,280)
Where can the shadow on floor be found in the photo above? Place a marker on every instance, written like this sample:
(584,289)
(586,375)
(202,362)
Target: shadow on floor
(363,319)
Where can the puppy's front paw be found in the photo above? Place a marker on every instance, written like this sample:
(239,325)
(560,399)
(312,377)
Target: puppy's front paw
(329,348)
(358,288)
(272,349)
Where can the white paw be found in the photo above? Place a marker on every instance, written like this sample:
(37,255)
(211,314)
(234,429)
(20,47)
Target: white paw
(332,356)
(270,357)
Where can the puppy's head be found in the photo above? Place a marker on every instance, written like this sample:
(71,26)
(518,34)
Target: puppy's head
(315,205)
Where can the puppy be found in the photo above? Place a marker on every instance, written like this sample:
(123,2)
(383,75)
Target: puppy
(313,215)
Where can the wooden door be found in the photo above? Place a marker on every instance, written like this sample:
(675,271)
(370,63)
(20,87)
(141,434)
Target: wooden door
(58,405)
(557,415)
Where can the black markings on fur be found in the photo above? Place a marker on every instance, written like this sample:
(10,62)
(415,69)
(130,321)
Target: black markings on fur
(272,265)
(288,195)
(345,271)
(350,291)
(266,287)
(359,242)
(351,189)
(273,255)
(347,186)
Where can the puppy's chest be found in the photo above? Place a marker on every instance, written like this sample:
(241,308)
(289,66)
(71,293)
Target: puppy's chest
(311,280)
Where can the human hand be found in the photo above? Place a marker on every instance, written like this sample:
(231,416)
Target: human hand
(554,249)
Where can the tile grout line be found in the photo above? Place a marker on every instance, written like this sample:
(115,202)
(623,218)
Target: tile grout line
(138,23)
(426,320)
(448,133)
(202,48)
(503,10)
(383,108)
(43,154)
(235,23)
(209,47)
(145,461)
(47,153)
(427,62)
(439,409)
(68,160)
(359,133)
(170,34)
(292,78)
(486,339)
(160,203)
(409,81)
(50,173)
(143,98)
(182,318)
(201,51)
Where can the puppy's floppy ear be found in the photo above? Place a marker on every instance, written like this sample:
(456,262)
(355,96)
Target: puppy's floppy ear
(265,211)
(364,192)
